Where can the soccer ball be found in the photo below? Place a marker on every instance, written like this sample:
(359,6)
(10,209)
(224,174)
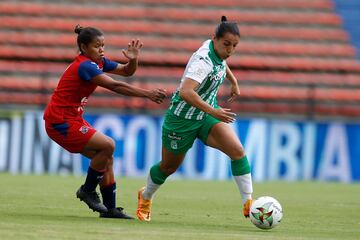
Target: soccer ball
(266,212)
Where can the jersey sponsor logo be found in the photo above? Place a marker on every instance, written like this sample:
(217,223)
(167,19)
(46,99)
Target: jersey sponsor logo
(84,129)
(218,73)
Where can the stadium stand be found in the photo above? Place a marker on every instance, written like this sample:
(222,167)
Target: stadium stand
(295,57)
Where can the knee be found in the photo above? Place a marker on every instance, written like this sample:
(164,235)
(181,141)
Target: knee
(109,146)
(108,151)
(238,152)
(110,163)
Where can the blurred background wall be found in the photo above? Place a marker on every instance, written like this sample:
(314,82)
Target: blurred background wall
(297,65)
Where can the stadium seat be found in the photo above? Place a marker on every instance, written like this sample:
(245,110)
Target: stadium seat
(171,29)
(14,66)
(180,58)
(314,4)
(186,44)
(185,14)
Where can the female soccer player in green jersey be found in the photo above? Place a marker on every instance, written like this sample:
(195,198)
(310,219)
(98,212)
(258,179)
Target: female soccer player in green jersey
(194,113)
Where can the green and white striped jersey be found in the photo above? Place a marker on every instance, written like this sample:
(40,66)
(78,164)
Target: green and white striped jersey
(209,71)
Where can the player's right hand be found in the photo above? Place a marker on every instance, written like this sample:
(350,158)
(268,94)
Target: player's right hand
(223,114)
(157,95)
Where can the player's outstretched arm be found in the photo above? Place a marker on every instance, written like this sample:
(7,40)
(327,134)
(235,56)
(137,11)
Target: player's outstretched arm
(157,95)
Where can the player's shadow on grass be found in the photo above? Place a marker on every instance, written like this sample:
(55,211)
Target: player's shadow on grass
(54,217)
(202,224)
(215,227)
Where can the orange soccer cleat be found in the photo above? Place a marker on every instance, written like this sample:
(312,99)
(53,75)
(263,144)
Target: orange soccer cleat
(143,211)
(246,208)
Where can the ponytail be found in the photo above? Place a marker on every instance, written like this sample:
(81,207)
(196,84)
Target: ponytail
(78,29)
(225,27)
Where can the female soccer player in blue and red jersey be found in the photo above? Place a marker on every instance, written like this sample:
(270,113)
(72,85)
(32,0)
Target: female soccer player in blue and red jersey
(65,124)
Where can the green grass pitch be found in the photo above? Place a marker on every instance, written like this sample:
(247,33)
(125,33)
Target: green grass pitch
(45,207)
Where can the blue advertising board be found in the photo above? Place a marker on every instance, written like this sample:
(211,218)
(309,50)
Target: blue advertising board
(277,149)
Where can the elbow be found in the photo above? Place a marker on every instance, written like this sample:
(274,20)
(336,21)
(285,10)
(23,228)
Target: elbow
(128,73)
(130,68)
(184,94)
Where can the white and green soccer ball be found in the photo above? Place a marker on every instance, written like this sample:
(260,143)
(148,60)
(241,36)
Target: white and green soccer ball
(266,212)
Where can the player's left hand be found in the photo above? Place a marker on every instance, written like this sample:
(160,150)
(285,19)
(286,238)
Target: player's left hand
(157,95)
(133,50)
(235,93)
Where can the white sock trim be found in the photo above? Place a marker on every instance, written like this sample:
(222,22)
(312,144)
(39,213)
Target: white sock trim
(244,183)
(150,188)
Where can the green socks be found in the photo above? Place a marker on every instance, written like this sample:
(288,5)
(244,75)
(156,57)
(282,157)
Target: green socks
(242,175)
(157,176)
(240,167)
(154,181)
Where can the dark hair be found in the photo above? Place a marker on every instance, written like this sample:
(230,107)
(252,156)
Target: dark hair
(225,27)
(86,35)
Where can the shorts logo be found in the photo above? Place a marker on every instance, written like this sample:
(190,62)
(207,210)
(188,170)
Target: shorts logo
(174,137)
(173,144)
(84,129)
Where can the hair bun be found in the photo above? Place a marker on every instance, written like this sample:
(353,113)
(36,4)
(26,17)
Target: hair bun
(78,29)
(223,19)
